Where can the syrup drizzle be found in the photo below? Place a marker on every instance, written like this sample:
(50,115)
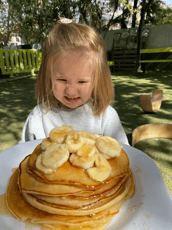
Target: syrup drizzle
(4,211)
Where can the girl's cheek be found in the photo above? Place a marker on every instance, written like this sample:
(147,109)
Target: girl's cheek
(57,85)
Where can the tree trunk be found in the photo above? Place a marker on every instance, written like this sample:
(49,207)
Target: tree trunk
(134,14)
(8,26)
(123,18)
(139,34)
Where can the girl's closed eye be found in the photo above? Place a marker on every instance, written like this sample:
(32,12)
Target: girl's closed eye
(81,82)
(61,79)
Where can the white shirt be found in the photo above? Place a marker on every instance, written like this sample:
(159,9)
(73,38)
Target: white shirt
(39,122)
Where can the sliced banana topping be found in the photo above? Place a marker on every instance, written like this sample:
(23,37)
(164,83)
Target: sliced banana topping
(89,151)
(86,150)
(82,161)
(102,170)
(95,135)
(108,146)
(46,143)
(74,141)
(55,156)
(90,138)
(85,157)
(106,156)
(59,134)
(41,167)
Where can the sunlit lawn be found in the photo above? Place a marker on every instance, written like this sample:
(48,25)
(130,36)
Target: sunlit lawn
(128,88)
(17,100)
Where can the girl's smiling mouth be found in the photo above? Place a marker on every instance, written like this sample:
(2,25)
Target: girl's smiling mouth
(72,99)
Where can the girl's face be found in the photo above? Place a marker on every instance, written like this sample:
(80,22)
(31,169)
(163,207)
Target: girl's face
(73,80)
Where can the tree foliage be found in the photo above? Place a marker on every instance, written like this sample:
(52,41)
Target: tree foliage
(163,15)
(33,19)
(7,25)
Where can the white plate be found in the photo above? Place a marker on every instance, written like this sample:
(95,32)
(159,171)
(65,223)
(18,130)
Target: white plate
(149,209)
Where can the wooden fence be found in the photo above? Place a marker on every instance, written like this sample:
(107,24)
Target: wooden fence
(20,61)
(158,58)
(125,59)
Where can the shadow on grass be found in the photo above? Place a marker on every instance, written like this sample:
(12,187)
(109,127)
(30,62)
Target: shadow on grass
(16,101)
(129,87)
(159,149)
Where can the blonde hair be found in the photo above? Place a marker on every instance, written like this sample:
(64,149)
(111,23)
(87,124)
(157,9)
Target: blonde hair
(73,37)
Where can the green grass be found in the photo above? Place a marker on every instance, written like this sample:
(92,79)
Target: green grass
(128,88)
(17,101)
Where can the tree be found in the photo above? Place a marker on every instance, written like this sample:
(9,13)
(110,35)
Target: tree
(84,7)
(134,15)
(151,12)
(96,14)
(163,16)
(91,12)
(35,18)
(145,7)
(7,22)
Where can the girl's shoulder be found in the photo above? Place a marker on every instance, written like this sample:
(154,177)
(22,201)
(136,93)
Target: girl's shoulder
(110,111)
(38,110)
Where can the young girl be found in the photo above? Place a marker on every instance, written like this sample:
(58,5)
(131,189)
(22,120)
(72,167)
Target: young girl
(74,86)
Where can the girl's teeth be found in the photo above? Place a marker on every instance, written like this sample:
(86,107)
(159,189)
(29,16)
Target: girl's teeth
(72,99)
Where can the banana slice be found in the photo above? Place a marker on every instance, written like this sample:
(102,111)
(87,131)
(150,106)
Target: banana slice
(74,141)
(84,162)
(95,135)
(108,146)
(86,150)
(102,170)
(46,143)
(90,138)
(41,167)
(59,134)
(106,156)
(55,156)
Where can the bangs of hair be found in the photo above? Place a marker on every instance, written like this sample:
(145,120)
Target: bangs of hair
(68,38)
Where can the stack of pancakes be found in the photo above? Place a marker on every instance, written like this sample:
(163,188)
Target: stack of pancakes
(68,198)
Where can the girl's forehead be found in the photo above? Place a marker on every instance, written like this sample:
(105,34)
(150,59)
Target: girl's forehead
(85,55)
(74,68)
(74,60)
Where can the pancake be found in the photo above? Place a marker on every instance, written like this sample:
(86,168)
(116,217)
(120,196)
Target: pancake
(76,201)
(68,196)
(30,184)
(67,174)
(86,210)
(16,203)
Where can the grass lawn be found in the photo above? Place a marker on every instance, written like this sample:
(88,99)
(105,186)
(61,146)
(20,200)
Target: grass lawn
(17,100)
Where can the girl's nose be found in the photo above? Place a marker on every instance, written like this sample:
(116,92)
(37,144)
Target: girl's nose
(71,90)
